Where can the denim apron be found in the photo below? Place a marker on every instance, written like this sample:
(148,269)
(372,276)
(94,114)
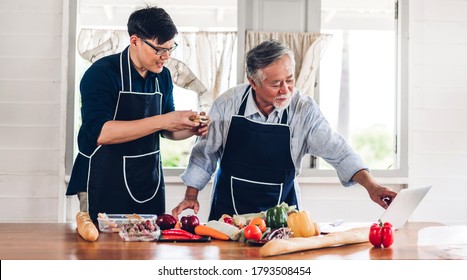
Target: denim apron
(127,178)
(256,170)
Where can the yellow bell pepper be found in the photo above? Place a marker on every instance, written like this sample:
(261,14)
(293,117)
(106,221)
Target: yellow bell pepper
(301,224)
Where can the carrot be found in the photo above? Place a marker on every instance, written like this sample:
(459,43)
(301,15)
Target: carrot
(86,227)
(207,231)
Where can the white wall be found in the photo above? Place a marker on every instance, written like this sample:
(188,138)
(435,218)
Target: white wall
(438,107)
(30,109)
(32,90)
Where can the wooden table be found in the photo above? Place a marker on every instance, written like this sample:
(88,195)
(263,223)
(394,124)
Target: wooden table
(60,241)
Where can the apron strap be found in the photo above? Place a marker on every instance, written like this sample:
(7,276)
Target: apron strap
(156,85)
(129,70)
(121,71)
(241,110)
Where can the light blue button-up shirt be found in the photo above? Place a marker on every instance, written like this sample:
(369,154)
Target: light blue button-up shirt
(310,134)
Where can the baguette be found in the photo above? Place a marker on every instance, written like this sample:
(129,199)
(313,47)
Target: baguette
(285,246)
(86,227)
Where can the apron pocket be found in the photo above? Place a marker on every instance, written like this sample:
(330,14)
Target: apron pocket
(253,196)
(142,176)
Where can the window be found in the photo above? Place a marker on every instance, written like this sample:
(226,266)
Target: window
(358,93)
(358,86)
(357,77)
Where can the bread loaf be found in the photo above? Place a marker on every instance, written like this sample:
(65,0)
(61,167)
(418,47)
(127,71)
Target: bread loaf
(285,246)
(86,227)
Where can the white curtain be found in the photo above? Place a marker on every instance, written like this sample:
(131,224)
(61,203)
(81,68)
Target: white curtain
(202,62)
(308,49)
(96,43)
(209,56)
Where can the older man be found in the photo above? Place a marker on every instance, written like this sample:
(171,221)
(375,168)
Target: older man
(260,133)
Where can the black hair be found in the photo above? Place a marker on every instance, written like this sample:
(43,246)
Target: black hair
(152,23)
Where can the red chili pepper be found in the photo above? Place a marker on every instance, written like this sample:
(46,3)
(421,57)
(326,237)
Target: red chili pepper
(176,237)
(381,234)
(180,232)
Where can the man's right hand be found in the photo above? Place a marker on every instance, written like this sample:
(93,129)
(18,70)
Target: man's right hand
(189,202)
(179,120)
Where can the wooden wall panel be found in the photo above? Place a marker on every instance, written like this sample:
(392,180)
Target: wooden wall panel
(29,91)
(454,98)
(20,69)
(28,185)
(438,108)
(29,209)
(29,137)
(30,109)
(31,22)
(29,161)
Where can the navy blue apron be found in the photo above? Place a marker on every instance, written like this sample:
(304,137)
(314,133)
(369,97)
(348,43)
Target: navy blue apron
(256,171)
(127,178)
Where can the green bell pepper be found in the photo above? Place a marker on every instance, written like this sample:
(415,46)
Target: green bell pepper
(276,217)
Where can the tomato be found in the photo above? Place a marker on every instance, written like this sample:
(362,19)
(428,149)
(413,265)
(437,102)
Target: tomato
(253,232)
(260,223)
(381,235)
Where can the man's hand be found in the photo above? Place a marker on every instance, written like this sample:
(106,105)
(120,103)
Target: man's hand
(201,130)
(379,194)
(189,202)
(204,121)
(179,120)
(195,128)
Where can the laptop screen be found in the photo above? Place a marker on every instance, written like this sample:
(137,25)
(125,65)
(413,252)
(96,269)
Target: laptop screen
(403,205)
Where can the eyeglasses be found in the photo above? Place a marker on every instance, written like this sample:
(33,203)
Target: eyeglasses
(161,51)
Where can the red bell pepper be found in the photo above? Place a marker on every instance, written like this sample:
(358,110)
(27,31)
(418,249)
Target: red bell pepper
(381,234)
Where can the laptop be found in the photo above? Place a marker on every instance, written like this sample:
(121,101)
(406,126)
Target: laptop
(403,205)
(397,213)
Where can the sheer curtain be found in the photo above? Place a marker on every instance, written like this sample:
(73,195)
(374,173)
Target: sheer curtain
(93,44)
(209,56)
(202,62)
(308,49)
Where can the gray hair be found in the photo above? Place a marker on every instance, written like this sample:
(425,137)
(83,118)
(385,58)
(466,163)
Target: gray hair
(264,55)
